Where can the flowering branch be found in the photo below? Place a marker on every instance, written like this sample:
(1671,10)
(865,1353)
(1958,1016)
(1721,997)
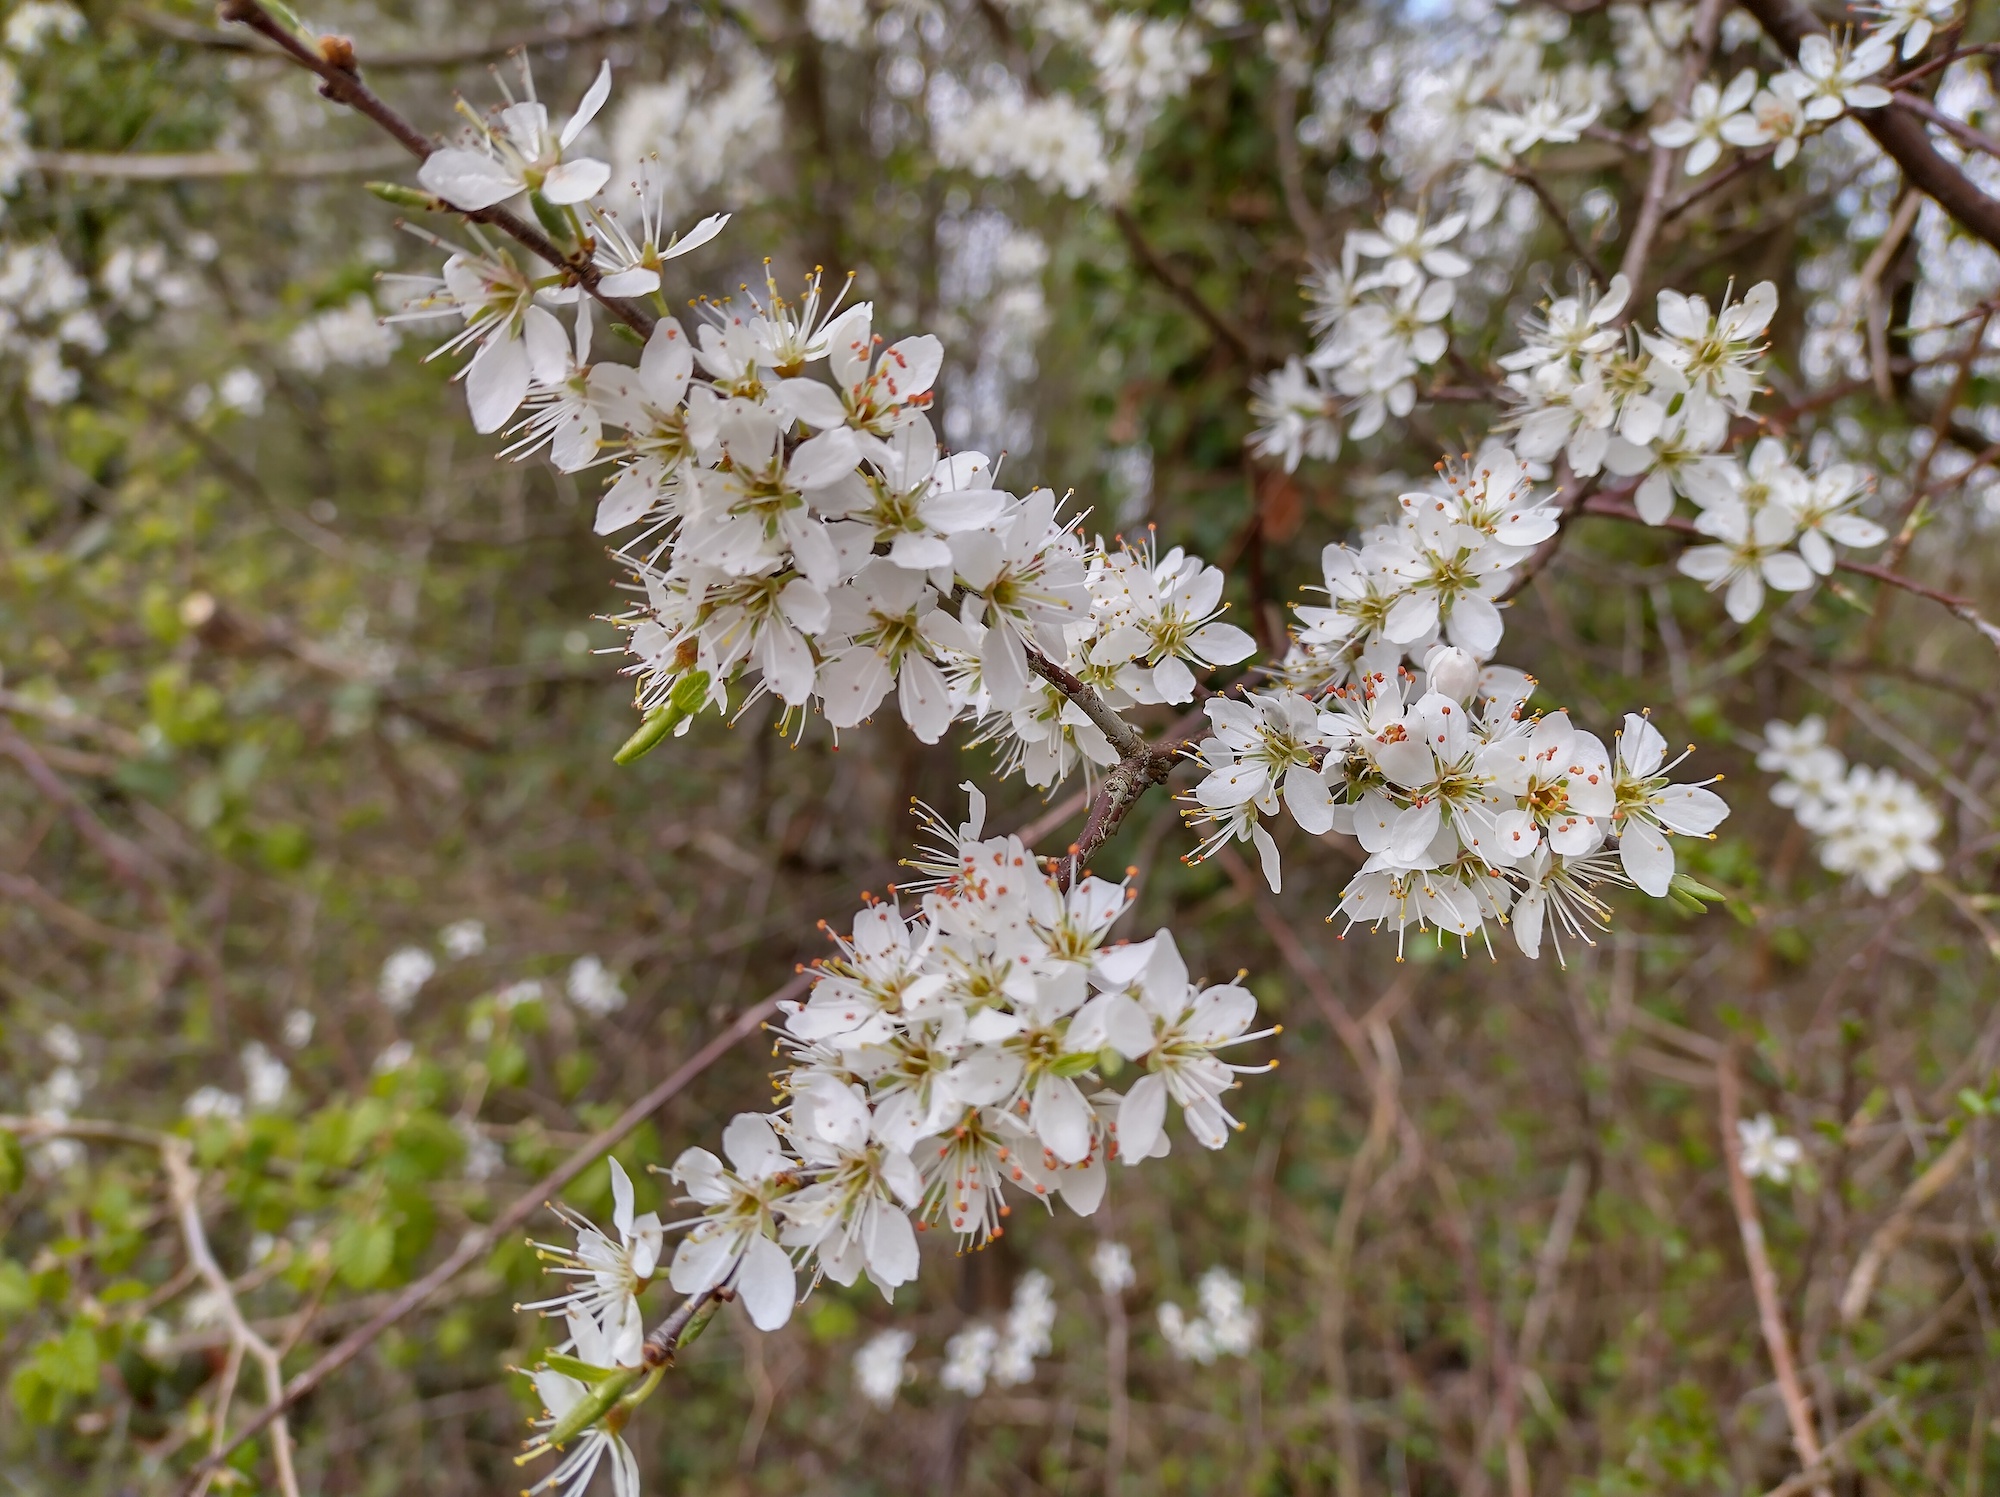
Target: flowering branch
(333,61)
(1898,129)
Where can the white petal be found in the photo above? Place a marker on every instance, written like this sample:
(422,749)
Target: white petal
(766,1283)
(1142,1118)
(593,100)
(575,181)
(1648,860)
(468,179)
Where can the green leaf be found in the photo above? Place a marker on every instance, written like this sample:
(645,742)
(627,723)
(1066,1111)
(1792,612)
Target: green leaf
(363,1251)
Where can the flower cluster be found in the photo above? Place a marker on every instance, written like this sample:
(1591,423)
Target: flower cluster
(979,1353)
(1378,328)
(1225,1327)
(1830,78)
(1872,824)
(799,535)
(1657,407)
(945,1060)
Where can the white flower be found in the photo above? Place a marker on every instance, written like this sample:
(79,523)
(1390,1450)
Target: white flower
(213,1102)
(1649,807)
(521,155)
(1030,1319)
(519,342)
(1224,1328)
(631,265)
(345,336)
(560,1393)
(1913,20)
(1706,125)
(1407,246)
(1765,1153)
(968,1359)
(880,1368)
(1778,114)
(609,1275)
(1297,415)
(1750,555)
(265,1078)
(1824,509)
(1111,1266)
(403,977)
(735,1241)
(1715,356)
(33,22)
(1832,74)
(462,939)
(592,987)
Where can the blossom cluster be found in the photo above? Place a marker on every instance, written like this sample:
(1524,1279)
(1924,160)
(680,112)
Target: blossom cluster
(1005,1355)
(1225,1325)
(1830,78)
(946,1060)
(804,536)
(1872,824)
(1377,329)
(1657,406)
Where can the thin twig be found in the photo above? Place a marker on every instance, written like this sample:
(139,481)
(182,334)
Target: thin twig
(477,1243)
(188,166)
(1889,1236)
(1239,341)
(1763,1281)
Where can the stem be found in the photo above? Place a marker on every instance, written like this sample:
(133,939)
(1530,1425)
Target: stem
(1763,1281)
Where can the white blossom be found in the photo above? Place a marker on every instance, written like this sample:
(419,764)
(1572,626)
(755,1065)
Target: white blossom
(881,1367)
(403,977)
(1765,1153)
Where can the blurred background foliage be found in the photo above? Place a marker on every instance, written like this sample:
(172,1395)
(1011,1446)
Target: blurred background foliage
(296,676)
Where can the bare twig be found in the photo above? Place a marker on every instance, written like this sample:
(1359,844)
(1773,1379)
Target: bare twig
(187,166)
(1763,1281)
(1163,270)
(417,59)
(477,1243)
(1660,173)
(1889,1236)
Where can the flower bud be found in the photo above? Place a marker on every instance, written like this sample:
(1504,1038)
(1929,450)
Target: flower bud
(1452,672)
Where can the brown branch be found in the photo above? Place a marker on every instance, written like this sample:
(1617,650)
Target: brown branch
(1889,1236)
(476,1244)
(341,83)
(185,166)
(413,59)
(128,860)
(1660,174)
(1610,509)
(1239,341)
(1749,161)
(1898,129)
(1763,1281)
(1556,211)
(1964,133)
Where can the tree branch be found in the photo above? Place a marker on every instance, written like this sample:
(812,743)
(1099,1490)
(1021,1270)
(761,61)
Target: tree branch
(1167,274)
(1898,129)
(340,82)
(1764,1282)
